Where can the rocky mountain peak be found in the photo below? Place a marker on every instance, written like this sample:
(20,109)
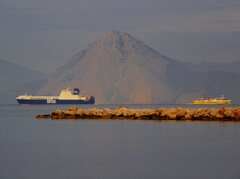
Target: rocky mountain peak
(116,68)
(115,36)
(122,46)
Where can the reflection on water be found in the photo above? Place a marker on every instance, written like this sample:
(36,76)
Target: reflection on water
(41,148)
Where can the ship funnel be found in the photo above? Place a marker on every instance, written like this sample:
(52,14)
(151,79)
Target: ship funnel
(76,91)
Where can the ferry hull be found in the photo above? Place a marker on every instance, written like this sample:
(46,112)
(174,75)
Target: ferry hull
(66,97)
(57,101)
(212,102)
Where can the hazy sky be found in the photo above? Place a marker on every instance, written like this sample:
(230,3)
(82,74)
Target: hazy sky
(44,34)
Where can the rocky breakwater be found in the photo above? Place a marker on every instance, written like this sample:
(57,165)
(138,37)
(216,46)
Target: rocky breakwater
(124,113)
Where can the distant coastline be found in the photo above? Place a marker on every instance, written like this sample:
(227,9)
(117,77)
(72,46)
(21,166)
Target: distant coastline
(124,113)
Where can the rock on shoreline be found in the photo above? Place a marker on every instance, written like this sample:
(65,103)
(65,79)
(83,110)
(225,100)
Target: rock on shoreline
(123,113)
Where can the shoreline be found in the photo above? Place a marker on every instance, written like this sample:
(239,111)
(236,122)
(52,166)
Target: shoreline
(224,114)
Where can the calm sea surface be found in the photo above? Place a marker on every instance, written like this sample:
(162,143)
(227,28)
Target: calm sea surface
(44,149)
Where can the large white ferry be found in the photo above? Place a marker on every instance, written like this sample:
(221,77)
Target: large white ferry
(66,97)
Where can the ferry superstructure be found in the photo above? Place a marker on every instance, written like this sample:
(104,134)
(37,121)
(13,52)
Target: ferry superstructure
(66,97)
(219,100)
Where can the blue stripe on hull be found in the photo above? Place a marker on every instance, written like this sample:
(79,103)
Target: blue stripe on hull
(27,101)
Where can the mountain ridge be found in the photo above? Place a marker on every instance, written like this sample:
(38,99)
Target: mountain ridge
(112,59)
(119,69)
(13,76)
(210,67)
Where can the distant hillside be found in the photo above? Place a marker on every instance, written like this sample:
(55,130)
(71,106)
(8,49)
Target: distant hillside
(117,68)
(12,76)
(213,67)
(9,96)
(120,69)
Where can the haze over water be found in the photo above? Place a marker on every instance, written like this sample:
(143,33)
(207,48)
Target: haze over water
(42,148)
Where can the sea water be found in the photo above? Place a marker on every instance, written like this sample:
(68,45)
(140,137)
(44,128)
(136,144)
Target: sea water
(33,148)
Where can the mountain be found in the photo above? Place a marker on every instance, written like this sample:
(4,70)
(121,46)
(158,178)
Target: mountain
(119,69)
(9,96)
(232,67)
(13,77)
